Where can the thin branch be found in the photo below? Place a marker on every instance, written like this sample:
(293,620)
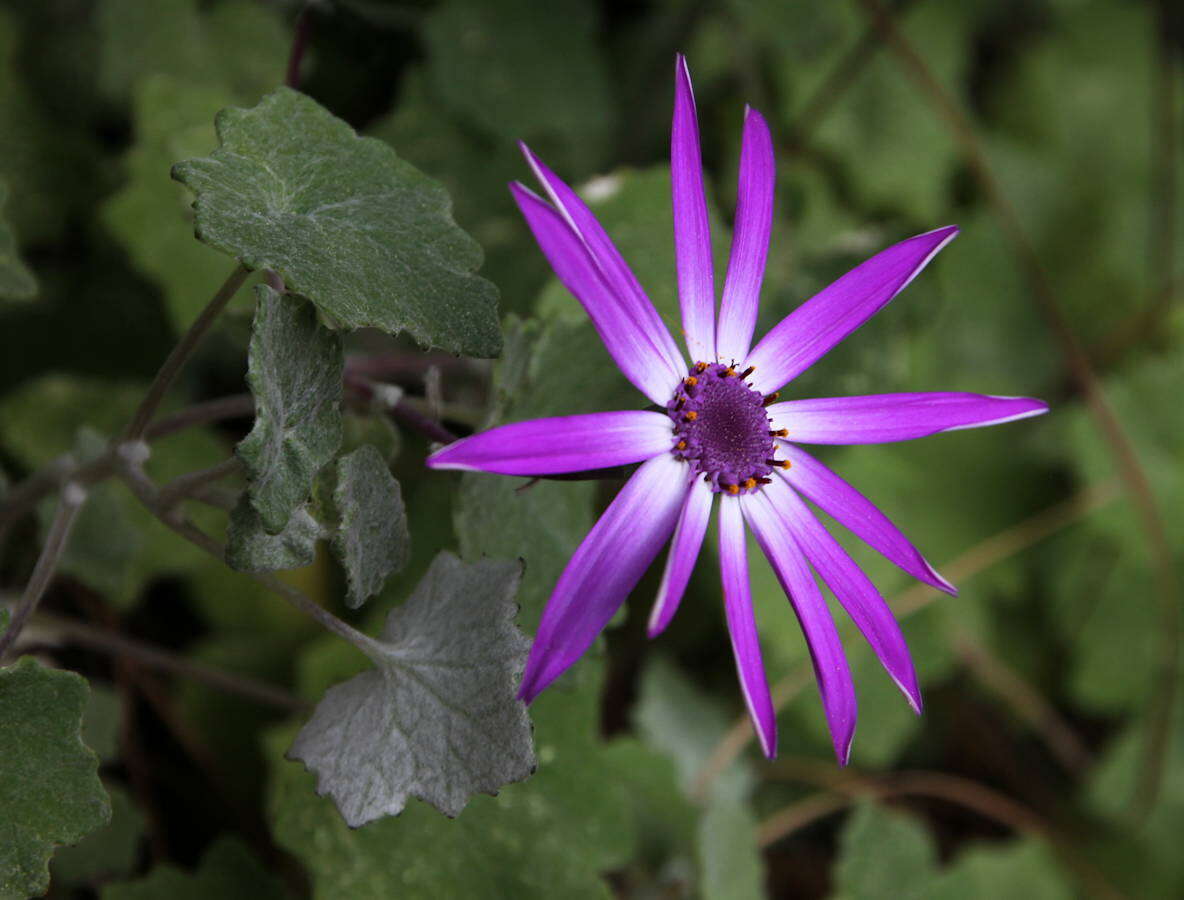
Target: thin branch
(848,786)
(24,498)
(168,371)
(982,555)
(69,505)
(1130,469)
(1027,702)
(147,493)
(299,45)
(192,483)
(103,640)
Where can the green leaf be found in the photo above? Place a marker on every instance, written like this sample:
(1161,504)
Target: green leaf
(438,717)
(731,867)
(16,280)
(1022,868)
(544,373)
(883,853)
(228,871)
(238,44)
(372,540)
(294,371)
(101,722)
(550,836)
(363,234)
(249,548)
(151,215)
(521,70)
(49,782)
(110,852)
(678,720)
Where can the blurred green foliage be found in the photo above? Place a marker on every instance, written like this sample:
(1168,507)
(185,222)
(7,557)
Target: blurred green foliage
(1076,109)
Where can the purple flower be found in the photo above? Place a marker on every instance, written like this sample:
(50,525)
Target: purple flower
(722,433)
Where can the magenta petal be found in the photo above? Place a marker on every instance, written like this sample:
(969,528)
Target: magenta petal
(850,508)
(822,638)
(851,586)
(880,418)
(612,266)
(733,564)
(684,551)
(624,338)
(692,234)
(810,331)
(750,243)
(562,444)
(605,568)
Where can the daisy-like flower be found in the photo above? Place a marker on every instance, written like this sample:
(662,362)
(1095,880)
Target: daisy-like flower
(722,434)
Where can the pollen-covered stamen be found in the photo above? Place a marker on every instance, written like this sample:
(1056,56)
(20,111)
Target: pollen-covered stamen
(722,430)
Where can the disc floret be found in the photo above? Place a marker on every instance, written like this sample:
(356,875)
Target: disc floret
(721,428)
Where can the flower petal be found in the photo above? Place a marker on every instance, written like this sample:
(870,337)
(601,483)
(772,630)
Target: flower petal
(692,234)
(750,243)
(733,564)
(822,638)
(562,444)
(684,551)
(624,338)
(879,418)
(850,508)
(605,568)
(854,590)
(611,265)
(810,331)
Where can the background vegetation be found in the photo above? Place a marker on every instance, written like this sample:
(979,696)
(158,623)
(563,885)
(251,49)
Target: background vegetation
(1050,758)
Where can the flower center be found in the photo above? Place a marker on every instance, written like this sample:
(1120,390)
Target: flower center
(721,429)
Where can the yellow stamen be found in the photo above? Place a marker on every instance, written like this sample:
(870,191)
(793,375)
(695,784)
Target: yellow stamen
(732,489)
(690,381)
(690,415)
(750,483)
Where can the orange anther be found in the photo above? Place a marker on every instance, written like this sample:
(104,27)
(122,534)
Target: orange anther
(780,432)
(784,463)
(681,445)
(750,483)
(700,367)
(728,372)
(733,489)
(690,381)
(690,415)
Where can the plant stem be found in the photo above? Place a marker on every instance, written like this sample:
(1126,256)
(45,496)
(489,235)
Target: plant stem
(149,495)
(172,365)
(849,786)
(69,505)
(192,482)
(299,44)
(26,495)
(82,634)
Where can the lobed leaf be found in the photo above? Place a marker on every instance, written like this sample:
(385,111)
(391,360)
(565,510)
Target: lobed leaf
(294,370)
(437,718)
(372,540)
(228,871)
(249,548)
(49,781)
(362,233)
